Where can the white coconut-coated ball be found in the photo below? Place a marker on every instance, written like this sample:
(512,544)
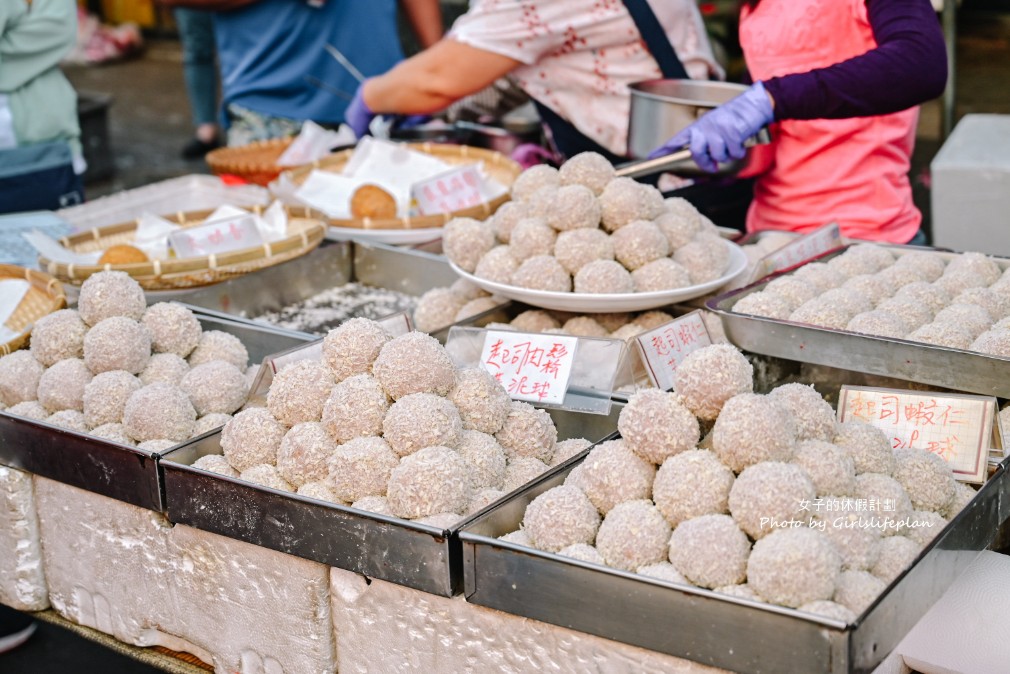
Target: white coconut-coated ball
(210,422)
(705,258)
(507,216)
(574,207)
(105,396)
(436,309)
(173,327)
(218,345)
(58,336)
(948,333)
(931,296)
(318,491)
(753,428)
(659,275)
(855,539)
(19,377)
(792,290)
(533,179)
(535,320)
(465,241)
(542,272)
(72,420)
(576,248)
(822,314)
(829,609)
(589,169)
(611,473)
(584,326)
(532,237)
(498,265)
(664,571)
(112,433)
(433,480)
(710,376)
(926,477)
(299,391)
(993,342)
(361,467)
(657,425)
(266,475)
(639,243)
(956,281)
(867,445)
(888,494)
(812,414)
(167,368)
(820,275)
(763,304)
(857,590)
(215,463)
(566,449)
(215,387)
(466,289)
(710,551)
(980,263)
(62,386)
(852,265)
(110,293)
(159,411)
(878,323)
(355,408)
(421,420)
(252,437)
(560,517)
(527,431)
(692,484)
(117,343)
(583,553)
(633,534)
(740,590)
(963,494)
(29,409)
(793,567)
(678,230)
(870,286)
(442,521)
(483,403)
(482,499)
(769,496)
(829,466)
(930,264)
(522,470)
(894,555)
(351,348)
(414,363)
(304,453)
(971,317)
(852,301)
(373,504)
(485,460)
(157,445)
(476,307)
(651,320)
(623,201)
(603,277)
(923,526)
(912,313)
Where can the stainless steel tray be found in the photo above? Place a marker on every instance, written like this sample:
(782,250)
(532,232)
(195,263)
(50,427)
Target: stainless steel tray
(117,471)
(954,369)
(331,265)
(701,625)
(403,552)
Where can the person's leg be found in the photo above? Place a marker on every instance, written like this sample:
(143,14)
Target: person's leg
(918,240)
(15,628)
(196,31)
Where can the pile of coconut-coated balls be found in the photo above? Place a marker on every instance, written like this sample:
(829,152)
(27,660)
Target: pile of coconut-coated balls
(918,296)
(579,228)
(117,369)
(766,507)
(389,425)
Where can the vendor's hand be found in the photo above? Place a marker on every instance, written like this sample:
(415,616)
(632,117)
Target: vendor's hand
(358,115)
(720,134)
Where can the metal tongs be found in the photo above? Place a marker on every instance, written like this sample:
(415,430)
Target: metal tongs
(675,160)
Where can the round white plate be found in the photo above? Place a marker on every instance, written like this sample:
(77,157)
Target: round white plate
(390,236)
(587,303)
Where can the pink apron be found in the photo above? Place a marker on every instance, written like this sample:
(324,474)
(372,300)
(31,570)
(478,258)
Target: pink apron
(853,171)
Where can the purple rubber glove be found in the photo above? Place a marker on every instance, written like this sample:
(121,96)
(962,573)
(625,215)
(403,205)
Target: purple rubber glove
(358,115)
(720,134)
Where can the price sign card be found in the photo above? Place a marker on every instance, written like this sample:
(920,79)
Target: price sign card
(666,347)
(216,237)
(808,246)
(450,191)
(959,428)
(532,367)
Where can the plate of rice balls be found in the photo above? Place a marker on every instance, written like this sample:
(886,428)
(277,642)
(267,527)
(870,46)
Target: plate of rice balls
(580,239)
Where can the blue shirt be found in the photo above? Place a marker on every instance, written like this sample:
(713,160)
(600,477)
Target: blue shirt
(267,48)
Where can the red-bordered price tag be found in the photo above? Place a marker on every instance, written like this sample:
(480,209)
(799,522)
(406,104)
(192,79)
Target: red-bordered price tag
(450,191)
(666,347)
(532,367)
(216,237)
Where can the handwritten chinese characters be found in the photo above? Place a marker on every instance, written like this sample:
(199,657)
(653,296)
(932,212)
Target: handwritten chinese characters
(531,367)
(216,237)
(666,347)
(958,428)
(451,191)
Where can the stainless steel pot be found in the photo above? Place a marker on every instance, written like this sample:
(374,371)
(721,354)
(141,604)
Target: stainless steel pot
(661,108)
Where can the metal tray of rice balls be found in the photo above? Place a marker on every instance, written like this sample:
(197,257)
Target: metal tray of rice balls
(121,472)
(715,629)
(317,292)
(420,556)
(950,362)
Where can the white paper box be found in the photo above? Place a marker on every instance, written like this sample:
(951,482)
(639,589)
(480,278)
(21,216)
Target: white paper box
(130,573)
(22,580)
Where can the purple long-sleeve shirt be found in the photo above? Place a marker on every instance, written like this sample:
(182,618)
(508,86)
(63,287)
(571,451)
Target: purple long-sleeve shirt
(908,67)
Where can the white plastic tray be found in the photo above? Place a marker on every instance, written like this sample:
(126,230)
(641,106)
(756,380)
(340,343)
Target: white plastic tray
(394,237)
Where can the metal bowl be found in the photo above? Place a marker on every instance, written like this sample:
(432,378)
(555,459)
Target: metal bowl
(661,108)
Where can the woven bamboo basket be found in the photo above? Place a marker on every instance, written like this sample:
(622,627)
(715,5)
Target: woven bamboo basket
(255,162)
(43,298)
(498,166)
(305,232)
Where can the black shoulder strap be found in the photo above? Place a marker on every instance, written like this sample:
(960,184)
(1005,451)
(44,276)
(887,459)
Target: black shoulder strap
(655,39)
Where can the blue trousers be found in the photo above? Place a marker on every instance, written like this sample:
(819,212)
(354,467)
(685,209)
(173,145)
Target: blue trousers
(196,31)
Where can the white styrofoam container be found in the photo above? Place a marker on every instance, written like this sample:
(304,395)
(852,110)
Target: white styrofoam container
(22,579)
(183,194)
(971,186)
(130,573)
